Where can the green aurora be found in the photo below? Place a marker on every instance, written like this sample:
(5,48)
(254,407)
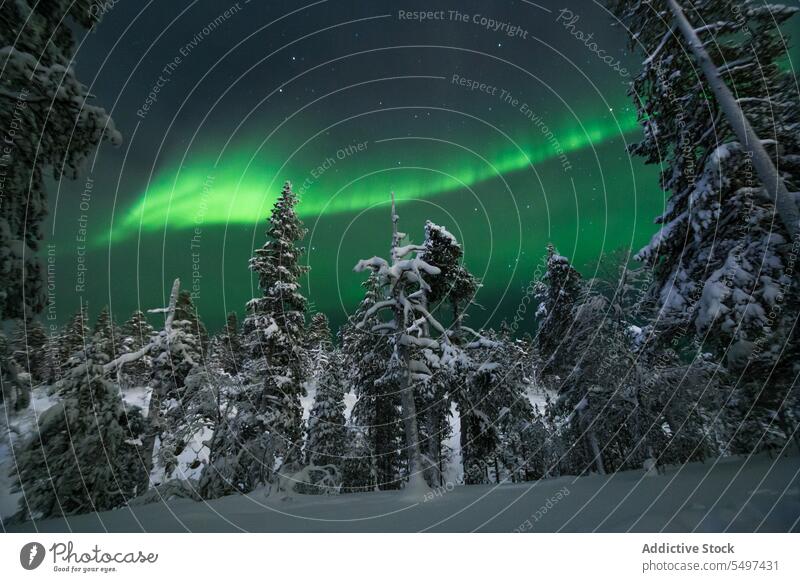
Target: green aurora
(233,189)
(505,191)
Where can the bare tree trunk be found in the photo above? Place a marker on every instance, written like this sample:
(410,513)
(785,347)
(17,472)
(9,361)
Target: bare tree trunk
(594,447)
(767,173)
(596,452)
(416,479)
(154,407)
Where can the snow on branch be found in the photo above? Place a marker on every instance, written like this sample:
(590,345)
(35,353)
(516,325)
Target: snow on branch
(157,340)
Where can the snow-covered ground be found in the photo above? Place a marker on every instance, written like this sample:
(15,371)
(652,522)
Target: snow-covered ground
(734,494)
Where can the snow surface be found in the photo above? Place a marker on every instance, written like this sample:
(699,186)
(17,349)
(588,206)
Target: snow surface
(732,494)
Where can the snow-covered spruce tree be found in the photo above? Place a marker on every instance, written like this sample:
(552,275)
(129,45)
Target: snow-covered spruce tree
(6,388)
(557,294)
(452,290)
(206,406)
(186,310)
(454,286)
(15,394)
(136,333)
(527,449)
(433,399)
(326,444)
(282,308)
(318,345)
(74,338)
(105,336)
(376,415)
(721,259)
(269,421)
(28,344)
(679,403)
(49,126)
(318,336)
(358,467)
(415,355)
(85,453)
(619,406)
(495,410)
(214,409)
(210,402)
(173,361)
(595,364)
(229,346)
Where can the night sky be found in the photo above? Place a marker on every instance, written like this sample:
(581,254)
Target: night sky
(349,101)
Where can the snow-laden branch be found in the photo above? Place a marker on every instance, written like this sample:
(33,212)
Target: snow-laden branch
(710,26)
(376,264)
(432,321)
(18,97)
(157,340)
(385,304)
(406,250)
(660,46)
(420,342)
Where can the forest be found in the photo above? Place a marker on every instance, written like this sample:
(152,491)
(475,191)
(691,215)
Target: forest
(685,350)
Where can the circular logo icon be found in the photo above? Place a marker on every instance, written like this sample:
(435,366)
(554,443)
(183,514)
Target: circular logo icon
(31,555)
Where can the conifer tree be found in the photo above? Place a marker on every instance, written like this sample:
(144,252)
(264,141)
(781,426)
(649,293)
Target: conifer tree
(452,291)
(50,126)
(264,440)
(493,407)
(278,321)
(28,344)
(173,361)
(454,285)
(319,333)
(557,293)
(217,408)
(85,454)
(318,345)
(721,258)
(186,310)
(415,355)
(376,415)
(230,346)
(358,466)
(135,334)
(326,444)
(105,337)
(74,338)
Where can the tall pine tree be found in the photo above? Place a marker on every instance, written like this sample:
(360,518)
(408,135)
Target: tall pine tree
(376,415)
(264,441)
(722,257)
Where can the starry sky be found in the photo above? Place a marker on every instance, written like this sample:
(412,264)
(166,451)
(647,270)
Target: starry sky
(490,118)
